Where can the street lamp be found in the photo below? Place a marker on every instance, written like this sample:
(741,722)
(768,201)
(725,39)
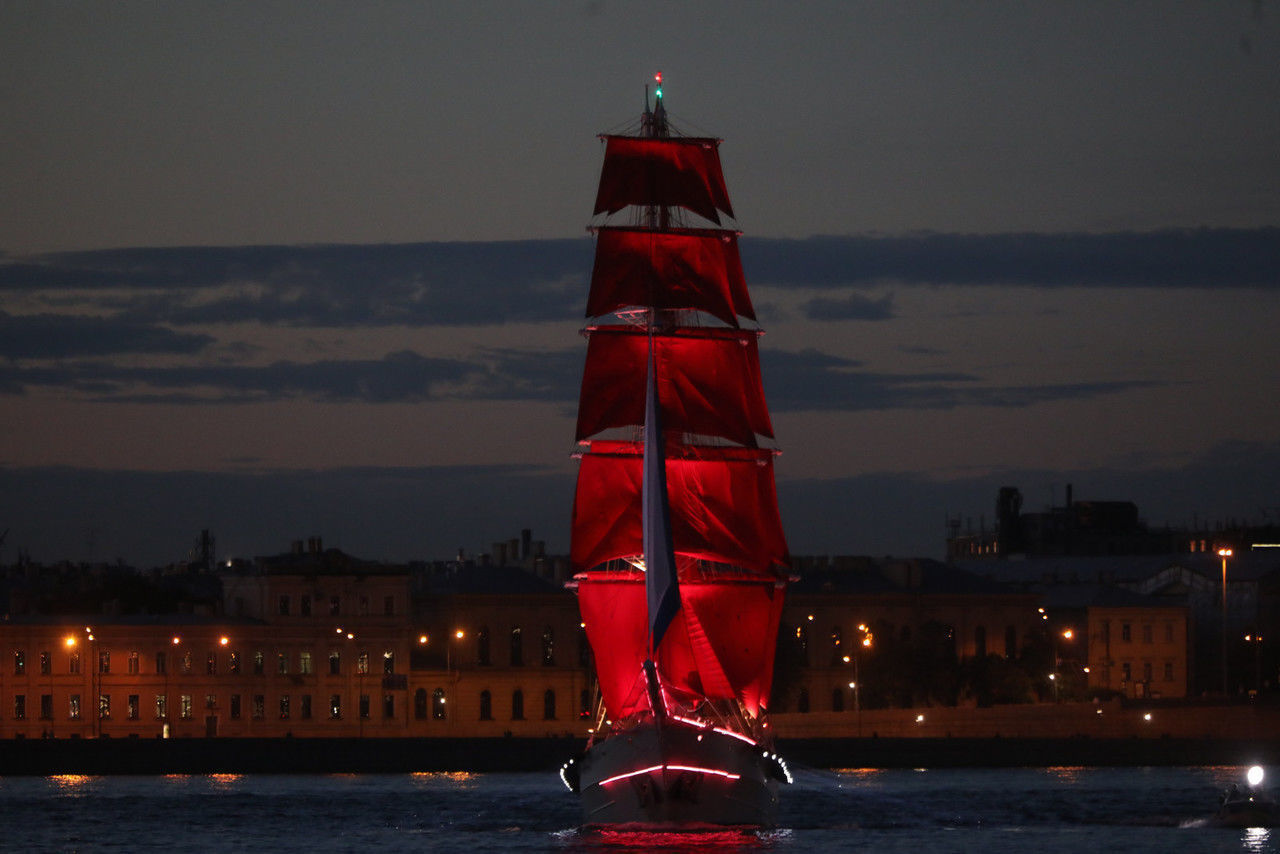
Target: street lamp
(1224,554)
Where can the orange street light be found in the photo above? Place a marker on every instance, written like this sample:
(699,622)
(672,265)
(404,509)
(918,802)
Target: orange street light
(1224,553)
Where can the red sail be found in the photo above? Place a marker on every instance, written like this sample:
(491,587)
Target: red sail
(709,383)
(688,268)
(723,506)
(683,172)
(720,646)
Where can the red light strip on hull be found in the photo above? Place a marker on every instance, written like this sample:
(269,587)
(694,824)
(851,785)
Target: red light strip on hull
(651,768)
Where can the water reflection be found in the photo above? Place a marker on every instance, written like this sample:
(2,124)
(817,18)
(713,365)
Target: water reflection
(1065,773)
(225,782)
(74,785)
(703,842)
(1256,839)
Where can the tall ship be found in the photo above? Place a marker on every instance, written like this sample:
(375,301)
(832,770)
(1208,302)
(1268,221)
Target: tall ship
(678,551)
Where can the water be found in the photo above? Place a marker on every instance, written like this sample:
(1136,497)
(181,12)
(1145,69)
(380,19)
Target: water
(1046,810)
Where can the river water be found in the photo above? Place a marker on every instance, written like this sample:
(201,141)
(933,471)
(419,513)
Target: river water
(1045,810)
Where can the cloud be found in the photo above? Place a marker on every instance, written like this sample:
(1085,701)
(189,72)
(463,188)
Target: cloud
(850,307)
(55,336)
(420,284)
(810,380)
(1194,258)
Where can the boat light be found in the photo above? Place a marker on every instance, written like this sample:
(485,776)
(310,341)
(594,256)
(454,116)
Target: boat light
(1147,717)
(919,719)
(1255,775)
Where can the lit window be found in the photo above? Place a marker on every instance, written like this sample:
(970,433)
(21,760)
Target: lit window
(388,662)
(19,707)
(282,663)
(184,707)
(259,663)
(46,664)
(74,707)
(362,663)
(104,661)
(131,707)
(73,663)
(104,706)
(162,707)
(19,663)
(304,663)
(133,665)
(437,704)
(284,707)
(259,707)
(335,706)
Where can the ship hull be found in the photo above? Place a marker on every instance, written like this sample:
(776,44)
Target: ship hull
(678,777)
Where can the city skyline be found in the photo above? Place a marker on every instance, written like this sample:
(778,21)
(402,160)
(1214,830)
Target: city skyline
(281,271)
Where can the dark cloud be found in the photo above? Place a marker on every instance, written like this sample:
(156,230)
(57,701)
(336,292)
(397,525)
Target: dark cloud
(810,380)
(537,280)
(849,307)
(1196,258)
(329,286)
(55,336)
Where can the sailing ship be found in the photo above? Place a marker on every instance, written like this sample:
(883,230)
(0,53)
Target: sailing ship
(679,555)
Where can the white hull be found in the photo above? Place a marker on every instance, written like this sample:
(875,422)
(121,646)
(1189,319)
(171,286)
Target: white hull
(678,777)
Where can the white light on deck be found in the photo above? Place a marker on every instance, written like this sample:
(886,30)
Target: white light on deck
(1255,775)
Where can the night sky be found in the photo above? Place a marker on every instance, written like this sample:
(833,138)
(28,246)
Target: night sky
(294,269)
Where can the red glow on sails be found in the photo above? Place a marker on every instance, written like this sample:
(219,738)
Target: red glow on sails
(724,506)
(730,656)
(681,171)
(708,383)
(687,268)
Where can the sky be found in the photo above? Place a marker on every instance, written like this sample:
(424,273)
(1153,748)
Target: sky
(284,269)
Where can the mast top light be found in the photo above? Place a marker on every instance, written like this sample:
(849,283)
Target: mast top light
(658,89)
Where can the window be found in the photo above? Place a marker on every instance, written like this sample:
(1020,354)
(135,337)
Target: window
(1168,671)
(482,646)
(517,705)
(304,710)
(486,706)
(1146,671)
(1125,632)
(233,661)
(584,703)
(259,663)
(73,663)
(1127,670)
(304,606)
(837,699)
(46,664)
(334,606)
(186,662)
(1146,633)
(335,706)
(104,661)
(548,647)
(388,606)
(235,707)
(184,707)
(802,642)
(46,707)
(104,706)
(74,707)
(364,606)
(437,704)
(420,704)
(211,663)
(284,707)
(335,663)
(19,663)
(211,701)
(19,707)
(362,662)
(388,662)
(517,648)
(364,706)
(282,606)
(162,707)
(388,706)
(259,707)
(133,665)
(282,663)
(304,663)
(549,705)
(132,707)
(162,662)
(836,650)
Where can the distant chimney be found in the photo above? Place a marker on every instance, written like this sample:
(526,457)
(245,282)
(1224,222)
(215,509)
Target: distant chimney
(295,547)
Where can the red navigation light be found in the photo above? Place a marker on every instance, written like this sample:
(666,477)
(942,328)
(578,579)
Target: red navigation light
(658,78)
